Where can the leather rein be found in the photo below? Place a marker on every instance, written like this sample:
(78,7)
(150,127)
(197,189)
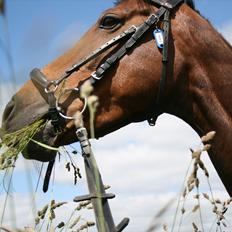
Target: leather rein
(47,88)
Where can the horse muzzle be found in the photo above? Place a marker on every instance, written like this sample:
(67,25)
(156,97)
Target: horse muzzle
(17,115)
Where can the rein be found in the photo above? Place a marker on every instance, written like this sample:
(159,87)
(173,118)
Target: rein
(47,88)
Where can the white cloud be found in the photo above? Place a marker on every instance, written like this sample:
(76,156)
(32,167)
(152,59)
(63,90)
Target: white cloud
(17,204)
(146,172)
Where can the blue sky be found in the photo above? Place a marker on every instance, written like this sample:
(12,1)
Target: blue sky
(39,31)
(35,28)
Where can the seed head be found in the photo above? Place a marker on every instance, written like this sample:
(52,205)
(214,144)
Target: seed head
(208,137)
(86,89)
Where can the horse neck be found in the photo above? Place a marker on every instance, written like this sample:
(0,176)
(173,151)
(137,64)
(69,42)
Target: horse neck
(205,93)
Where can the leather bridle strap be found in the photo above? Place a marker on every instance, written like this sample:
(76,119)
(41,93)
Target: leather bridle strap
(165,59)
(39,79)
(47,88)
(153,19)
(40,83)
(163,80)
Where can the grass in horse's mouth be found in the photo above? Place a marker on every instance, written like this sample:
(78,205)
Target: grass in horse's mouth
(14,143)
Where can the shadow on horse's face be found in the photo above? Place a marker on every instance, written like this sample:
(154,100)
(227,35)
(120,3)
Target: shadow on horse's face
(126,93)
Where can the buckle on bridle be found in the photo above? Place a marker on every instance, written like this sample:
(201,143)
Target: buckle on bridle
(95,76)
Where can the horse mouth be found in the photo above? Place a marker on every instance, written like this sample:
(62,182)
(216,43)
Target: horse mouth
(35,151)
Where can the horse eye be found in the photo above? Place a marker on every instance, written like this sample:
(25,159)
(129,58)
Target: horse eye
(110,22)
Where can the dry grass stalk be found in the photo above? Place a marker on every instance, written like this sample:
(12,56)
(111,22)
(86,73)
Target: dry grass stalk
(72,165)
(183,210)
(196,207)
(86,89)
(206,196)
(219,207)
(14,143)
(49,211)
(197,196)
(83,205)
(60,225)
(208,137)
(156,222)
(165,228)
(76,171)
(74,223)
(85,226)
(90,207)
(195,228)
(73,220)
(193,182)
(106,187)
(224,224)
(5,229)
(92,102)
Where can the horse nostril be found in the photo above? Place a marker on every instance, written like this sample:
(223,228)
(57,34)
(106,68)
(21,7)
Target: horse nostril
(9,110)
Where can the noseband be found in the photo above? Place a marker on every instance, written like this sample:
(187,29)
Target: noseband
(47,88)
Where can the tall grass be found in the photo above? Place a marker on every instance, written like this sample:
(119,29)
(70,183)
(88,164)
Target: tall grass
(191,192)
(14,143)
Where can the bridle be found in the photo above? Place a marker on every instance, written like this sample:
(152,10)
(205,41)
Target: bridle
(47,88)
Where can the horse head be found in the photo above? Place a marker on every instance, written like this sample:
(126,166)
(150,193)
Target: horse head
(129,89)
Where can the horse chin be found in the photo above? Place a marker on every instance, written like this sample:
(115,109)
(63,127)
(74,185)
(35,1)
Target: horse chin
(34,151)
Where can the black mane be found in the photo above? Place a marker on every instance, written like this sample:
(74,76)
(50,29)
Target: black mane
(189,2)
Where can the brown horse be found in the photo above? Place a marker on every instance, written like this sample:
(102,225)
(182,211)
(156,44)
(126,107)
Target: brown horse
(197,89)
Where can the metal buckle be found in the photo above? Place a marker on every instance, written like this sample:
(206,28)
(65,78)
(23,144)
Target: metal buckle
(95,76)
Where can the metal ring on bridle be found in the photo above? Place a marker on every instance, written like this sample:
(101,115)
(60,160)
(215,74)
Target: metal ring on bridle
(59,108)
